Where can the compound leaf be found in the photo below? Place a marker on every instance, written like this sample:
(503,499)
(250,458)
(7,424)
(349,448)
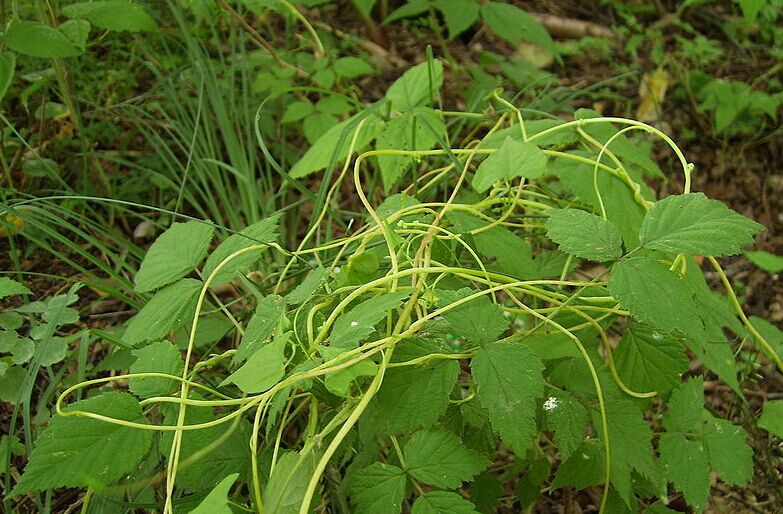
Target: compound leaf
(771,418)
(10,287)
(174,254)
(260,328)
(216,502)
(514,25)
(287,485)
(263,369)
(170,308)
(584,468)
(264,231)
(685,407)
(438,458)
(442,502)
(512,159)
(416,86)
(685,465)
(696,225)
(77,451)
(647,360)
(359,322)
(508,384)
(159,357)
(379,489)
(479,320)
(583,234)
(727,451)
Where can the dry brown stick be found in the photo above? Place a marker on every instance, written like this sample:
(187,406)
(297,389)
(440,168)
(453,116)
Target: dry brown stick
(571,28)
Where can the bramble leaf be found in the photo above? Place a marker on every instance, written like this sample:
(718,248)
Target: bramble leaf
(508,384)
(10,287)
(379,489)
(170,308)
(438,458)
(82,452)
(583,234)
(264,231)
(696,225)
(584,468)
(647,360)
(260,328)
(769,262)
(568,418)
(417,86)
(216,502)
(160,357)
(287,485)
(685,465)
(727,451)
(263,369)
(174,254)
(685,407)
(307,287)
(655,295)
(479,320)
(442,502)
(771,418)
(359,322)
(512,159)
(514,25)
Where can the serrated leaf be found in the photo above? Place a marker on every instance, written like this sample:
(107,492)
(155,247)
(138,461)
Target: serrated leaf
(297,111)
(287,485)
(655,295)
(771,418)
(39,40)
(438,458)
(568,418)
(216,502)
(378,489)
(333,146)
(685,407)
(159,357)
(479,320)
(583,469)
(264,231)
(514,25)
(307,287)
(416,130)
(442,502)
(508,384)
(260,328)
(583,234)
(356,324)
(512,159)
(685,465)
(416,87)
(174,254)
(352,67)
(82,452)
(647,360)
(170,308)
(118,15)
(10,287)
(727,451)
(263,369)
(693,224)
(77,32)
(407,10)
(412,397)
(771,334)
(339,383)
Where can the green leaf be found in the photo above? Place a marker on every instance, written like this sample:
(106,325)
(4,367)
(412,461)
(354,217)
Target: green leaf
(115,15)
(7,67)
(174,254)
(297,111)
(318,124)
(442,502)
(378,489)
(459,15)
(408,131)
(170,308)
(568,418)
(409,9)
(287,485)
(583,234)
(514,25)
(508,384)
(647,360)
(352,67)
(160,357)
(751,8)
(695,225)
(339,383)
(9,287)
(655,295)
(356,324)
(264,231)
(584,468)
(15,447)
(728,452)
(216,502)
(84,452)
(307,288)
(685,407)
(39,40)
(770,333)
(771,418)
(262,324)
(332,147)
(512,159)
(685,465)
(479,320)
(438,458)
(11,384)
(769,262)
(416,87)
(77,32)
(412,397)
(263,369)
